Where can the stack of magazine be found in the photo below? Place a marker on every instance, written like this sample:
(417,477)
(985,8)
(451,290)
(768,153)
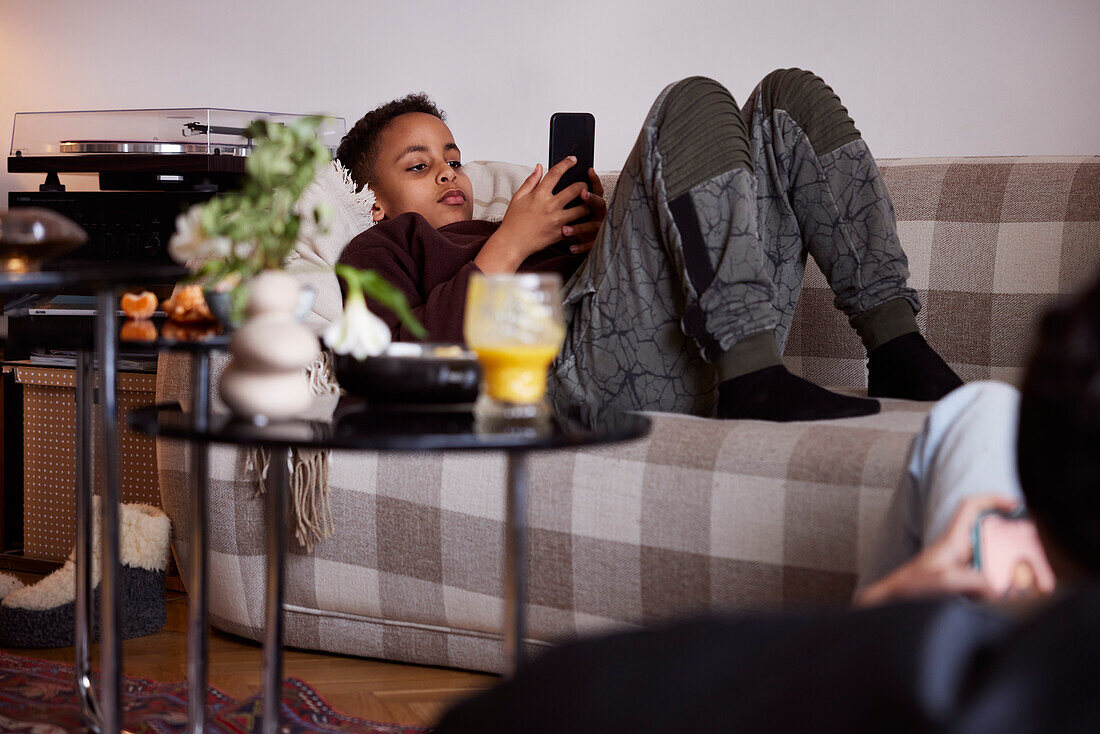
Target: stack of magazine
(67,358)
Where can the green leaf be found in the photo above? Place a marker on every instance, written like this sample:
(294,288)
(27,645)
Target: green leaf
(238,302)
(380,290)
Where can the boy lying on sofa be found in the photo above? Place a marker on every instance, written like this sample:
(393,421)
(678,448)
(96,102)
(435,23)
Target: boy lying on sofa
(681,294)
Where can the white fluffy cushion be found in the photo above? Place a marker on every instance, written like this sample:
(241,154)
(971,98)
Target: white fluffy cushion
(494,184)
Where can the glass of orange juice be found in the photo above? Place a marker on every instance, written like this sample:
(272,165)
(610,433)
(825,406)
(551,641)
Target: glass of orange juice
(514,324)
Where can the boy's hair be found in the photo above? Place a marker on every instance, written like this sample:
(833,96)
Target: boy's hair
(358,149)
(1058,445)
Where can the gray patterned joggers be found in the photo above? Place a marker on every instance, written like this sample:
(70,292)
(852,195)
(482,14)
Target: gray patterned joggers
(704,245)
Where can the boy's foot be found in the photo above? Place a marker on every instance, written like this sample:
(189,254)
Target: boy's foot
(907,367)
(774,394)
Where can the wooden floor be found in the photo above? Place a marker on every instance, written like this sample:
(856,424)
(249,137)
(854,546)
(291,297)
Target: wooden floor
(370,689)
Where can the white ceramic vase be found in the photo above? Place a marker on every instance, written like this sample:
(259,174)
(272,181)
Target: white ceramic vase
(266,377)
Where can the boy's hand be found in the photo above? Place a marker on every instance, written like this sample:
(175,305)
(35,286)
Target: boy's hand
(534,219)
(586,231)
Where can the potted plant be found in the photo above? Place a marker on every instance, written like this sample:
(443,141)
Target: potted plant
(238,244)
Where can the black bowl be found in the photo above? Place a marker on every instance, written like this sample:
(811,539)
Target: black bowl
(412,373)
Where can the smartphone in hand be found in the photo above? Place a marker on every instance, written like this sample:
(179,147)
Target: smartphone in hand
(1009,554)
(573,133)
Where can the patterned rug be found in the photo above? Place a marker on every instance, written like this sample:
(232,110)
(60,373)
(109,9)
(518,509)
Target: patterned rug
(39,697)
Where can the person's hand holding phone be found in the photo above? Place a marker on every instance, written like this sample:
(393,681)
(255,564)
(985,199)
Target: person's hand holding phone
(535,219)
(1008,552)
(944,567)
(585,232)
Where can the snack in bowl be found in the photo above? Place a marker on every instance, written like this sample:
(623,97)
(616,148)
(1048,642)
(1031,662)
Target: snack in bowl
(187,305)
(408,372)
(138,305)
(450,351)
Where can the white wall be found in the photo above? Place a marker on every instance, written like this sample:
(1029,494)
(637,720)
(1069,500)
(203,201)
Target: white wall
(921,77)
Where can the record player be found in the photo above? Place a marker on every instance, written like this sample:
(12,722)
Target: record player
(152,165)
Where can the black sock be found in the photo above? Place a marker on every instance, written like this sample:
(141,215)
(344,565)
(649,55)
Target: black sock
(907,367)
(774,394)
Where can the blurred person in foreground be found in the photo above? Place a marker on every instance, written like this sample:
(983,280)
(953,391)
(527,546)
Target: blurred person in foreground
(950,664)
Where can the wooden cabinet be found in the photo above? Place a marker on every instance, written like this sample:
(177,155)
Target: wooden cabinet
(49,455)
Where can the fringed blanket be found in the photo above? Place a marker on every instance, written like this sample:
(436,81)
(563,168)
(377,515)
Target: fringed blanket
(308,469)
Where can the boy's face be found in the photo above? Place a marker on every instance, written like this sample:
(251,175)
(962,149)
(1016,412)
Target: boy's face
(419,169)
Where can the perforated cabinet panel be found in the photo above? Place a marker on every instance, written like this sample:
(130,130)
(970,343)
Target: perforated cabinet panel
(49,456)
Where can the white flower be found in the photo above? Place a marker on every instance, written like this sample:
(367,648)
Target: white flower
(357,332)
(190,241)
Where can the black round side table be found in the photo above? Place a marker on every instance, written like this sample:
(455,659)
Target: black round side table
(355,425)
(102,713)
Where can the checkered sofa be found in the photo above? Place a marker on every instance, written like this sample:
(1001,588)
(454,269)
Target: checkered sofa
(702,514)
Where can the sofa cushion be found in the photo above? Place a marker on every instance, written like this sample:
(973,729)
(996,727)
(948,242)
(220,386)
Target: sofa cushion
(495,182)
(991,242)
